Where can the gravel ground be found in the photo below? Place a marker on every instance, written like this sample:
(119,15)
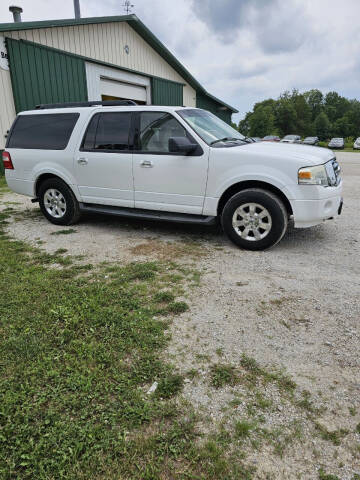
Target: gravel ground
(295,307)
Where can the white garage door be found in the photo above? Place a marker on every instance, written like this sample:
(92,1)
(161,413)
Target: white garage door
(117,89)
(106,83)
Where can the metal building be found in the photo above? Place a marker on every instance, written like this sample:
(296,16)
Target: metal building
(92,59)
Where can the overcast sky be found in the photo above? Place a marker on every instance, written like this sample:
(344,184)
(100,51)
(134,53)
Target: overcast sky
(242,51)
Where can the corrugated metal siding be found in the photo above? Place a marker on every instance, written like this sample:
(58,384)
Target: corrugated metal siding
(208,104)
(7,107)
(40,75)
(105,42)
(164,92)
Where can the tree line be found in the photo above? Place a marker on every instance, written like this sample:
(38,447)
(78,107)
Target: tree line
(307,114)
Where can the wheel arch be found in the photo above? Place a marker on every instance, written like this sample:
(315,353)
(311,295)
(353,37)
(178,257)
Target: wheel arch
(239,186)
(45,176)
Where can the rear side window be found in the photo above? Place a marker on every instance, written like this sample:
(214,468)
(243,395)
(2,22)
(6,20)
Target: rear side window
(43,131)
(108,131)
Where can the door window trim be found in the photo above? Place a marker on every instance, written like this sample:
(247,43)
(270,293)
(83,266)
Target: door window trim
(198,152)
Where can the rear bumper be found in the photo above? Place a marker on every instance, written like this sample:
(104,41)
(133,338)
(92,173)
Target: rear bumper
(308,213)
(17,185)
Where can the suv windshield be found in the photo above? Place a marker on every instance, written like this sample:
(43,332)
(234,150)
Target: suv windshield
(210,128)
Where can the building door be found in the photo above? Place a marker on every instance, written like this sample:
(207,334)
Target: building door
(163,180)
(103,164)
(115,90)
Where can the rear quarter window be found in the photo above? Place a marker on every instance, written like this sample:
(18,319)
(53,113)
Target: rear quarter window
(43,132)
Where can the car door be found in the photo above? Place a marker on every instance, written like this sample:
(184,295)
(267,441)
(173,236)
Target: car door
(163,180)
(103,163)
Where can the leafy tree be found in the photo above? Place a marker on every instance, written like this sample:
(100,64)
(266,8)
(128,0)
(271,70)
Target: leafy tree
(308,113)
(314,99)
(285,115)
(244,126)
(322,126)
(262,122)
(335,106)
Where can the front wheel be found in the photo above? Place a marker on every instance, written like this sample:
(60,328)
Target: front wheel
(254,219)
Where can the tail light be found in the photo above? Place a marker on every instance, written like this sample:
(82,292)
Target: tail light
(8,165)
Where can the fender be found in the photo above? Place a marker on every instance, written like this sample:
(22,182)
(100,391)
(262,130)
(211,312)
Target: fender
(63,174)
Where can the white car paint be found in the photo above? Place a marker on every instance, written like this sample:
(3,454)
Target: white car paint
(185,184)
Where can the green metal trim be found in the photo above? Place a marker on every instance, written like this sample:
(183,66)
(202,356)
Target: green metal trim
(139,28)
(39,75)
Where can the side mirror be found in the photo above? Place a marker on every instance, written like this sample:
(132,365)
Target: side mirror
(181,145)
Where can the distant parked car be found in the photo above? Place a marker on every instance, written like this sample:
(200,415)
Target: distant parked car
(256,139)
(357,144)
(336,143)
(271,138)
(291,139)
(311,141)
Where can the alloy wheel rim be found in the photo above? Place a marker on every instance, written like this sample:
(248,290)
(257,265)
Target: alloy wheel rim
(252,221)
(55,203)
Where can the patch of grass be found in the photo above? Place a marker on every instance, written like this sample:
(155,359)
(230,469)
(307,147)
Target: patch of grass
(352,411)
(326,476)
(192,373)
(170,385)
(221,375)
(334,436)
(164,296)
(357,428)
(177,307)
(256,373)
(243,429)
(66,231)
(60,251)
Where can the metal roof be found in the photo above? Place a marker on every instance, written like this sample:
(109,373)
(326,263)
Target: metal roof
(134,23)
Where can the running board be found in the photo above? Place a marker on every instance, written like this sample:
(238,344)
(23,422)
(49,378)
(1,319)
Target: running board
(143,214)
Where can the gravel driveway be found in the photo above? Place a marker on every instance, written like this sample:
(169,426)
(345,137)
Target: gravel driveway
(295,307)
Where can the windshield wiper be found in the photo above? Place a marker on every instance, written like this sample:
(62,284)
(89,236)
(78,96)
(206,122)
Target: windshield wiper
(228,139)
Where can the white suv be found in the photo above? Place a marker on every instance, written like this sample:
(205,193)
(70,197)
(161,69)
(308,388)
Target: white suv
(168,163)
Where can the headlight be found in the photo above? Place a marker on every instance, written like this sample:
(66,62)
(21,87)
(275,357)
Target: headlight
(313,176)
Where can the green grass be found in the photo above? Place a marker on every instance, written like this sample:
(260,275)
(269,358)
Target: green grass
(78,354)
(66,231)
(221,375)
(326,476)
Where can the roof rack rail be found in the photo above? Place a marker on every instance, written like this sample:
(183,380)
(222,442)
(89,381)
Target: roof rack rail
(107,103)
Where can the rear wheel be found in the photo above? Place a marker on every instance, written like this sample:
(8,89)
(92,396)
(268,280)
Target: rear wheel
(254,219)
(58,203)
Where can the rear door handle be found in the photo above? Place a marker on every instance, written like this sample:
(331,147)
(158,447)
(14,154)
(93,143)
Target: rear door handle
(146,164)
(82,161)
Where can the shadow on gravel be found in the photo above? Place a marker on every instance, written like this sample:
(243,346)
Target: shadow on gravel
(313,237)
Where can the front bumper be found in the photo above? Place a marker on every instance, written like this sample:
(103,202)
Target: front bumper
(308,213)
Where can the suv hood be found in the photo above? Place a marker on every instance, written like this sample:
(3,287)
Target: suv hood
(305,154)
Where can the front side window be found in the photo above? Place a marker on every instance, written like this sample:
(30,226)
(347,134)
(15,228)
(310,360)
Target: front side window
(108,131)
(43,131)
(211,128)
(155,129)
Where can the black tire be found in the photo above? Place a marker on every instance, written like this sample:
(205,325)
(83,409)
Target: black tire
(275,220)
(69,206)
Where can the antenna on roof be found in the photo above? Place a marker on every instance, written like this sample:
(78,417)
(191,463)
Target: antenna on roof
(127,6)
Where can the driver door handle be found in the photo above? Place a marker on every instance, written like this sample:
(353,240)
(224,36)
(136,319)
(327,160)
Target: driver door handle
(82,161)
(146,164)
